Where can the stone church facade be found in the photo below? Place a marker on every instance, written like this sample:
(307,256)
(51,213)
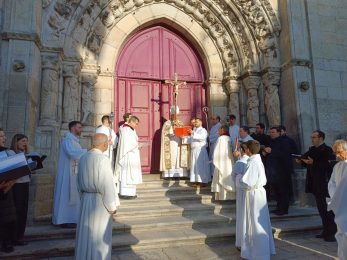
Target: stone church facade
(272,61)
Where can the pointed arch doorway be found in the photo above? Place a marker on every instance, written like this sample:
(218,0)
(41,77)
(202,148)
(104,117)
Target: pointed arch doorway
(148,59)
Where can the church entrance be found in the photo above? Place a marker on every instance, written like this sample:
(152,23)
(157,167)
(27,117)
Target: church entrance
(148,59)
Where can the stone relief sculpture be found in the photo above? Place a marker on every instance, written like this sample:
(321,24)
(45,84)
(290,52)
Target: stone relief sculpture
(49,88)
(252,107)
(71,93)
(272,100)
(88,82)
(233,87)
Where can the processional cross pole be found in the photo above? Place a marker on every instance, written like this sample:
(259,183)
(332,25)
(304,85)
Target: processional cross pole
(176,84)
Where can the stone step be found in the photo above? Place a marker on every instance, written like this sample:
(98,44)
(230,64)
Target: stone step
(160,222)
(146,239)
(172,190)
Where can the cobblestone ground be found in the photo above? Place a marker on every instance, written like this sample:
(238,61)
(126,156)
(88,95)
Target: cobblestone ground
(299,246)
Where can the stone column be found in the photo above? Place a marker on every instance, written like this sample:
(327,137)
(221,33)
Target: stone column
(71,98)
(271,80)
(49,89)
(233,87)
(217,99)
(88,83)
(251,84)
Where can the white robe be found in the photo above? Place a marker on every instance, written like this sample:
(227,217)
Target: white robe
(258,242)
(223,184)
(66,202)
(200,169)
(213,137)
(112,136)
(98,200)
(338,193)
(175,149)
(239,169)
(128,162)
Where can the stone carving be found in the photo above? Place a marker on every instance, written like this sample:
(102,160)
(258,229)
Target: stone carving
(272,101)
(18,66)
(49,89)
(252,84)
(233,87)
(71,93)
(46,3)
(88,82)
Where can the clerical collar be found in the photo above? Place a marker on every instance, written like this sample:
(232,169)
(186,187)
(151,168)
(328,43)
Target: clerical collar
(126,125)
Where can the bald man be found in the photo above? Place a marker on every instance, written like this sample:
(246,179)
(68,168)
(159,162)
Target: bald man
(99,202)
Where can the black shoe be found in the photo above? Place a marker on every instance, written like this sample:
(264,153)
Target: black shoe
(330,239)
(7,249)
(281,213)
(321,235)
(20,243)
(68,225)
(128,197)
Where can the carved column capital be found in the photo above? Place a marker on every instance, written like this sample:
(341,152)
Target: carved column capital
(232,85)
(252,82)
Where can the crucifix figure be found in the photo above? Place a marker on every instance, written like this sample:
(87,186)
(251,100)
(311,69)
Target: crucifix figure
(175,83)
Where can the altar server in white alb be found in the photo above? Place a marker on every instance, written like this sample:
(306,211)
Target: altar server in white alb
(200,168)
(66,201)
(174,156)
(223,184)
(99,202)
(213,137)
(239,169)
(106,129)
(258,242)
(128,162)
(338,194)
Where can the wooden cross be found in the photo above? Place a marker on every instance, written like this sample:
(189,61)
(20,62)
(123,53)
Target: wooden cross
(175,83)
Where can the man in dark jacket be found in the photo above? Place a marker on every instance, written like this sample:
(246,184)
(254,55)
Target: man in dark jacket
(278,172)
(317,160)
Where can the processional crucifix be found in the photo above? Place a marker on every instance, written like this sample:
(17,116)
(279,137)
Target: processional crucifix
(176,84)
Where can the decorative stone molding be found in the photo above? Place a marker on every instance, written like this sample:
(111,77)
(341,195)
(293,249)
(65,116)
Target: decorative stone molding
(33,37)
(271,80)
(296,62)
(49,89)
(233,87)
(18,66)
(252,84)
(71,99)
(88,83)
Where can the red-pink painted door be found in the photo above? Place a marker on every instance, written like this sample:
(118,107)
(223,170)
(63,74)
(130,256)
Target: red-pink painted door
(147,59)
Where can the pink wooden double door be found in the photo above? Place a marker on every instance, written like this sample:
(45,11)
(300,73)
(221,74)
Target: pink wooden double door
(148,59)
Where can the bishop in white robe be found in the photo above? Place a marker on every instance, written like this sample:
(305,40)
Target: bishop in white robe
(200,169)
(174,156)
(223,184)
(128,161)
(258,242)
(99,202)
(337,187)
(66,201)
(239,169)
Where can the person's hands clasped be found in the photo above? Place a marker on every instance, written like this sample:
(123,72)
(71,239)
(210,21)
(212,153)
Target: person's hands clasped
(308,161)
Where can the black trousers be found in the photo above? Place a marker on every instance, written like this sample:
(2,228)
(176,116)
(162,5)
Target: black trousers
(329,226)
(21,201)
(7,236)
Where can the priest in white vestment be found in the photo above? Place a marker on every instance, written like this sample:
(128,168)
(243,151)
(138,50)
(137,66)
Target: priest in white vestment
(338,196)
(106,129)
(223,184)
(128,162)
(213,137)
(239,169)
(66,201)
(174,156)
(258,242)
(199,169)
(99,202)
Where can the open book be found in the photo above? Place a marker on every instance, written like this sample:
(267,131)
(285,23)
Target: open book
(13,167)
(38,158)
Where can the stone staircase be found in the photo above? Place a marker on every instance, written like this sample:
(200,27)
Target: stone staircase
(166,213)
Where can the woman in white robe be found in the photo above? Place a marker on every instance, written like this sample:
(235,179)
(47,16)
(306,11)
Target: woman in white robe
(99,201)
(200,169)
(258,244)
(239,170)
(338,193)
(223,184)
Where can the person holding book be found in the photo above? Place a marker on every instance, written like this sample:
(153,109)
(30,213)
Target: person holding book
(7,208)
(19,144)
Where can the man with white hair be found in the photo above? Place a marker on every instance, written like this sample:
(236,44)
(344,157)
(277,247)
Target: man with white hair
(174,156)
(338,193)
